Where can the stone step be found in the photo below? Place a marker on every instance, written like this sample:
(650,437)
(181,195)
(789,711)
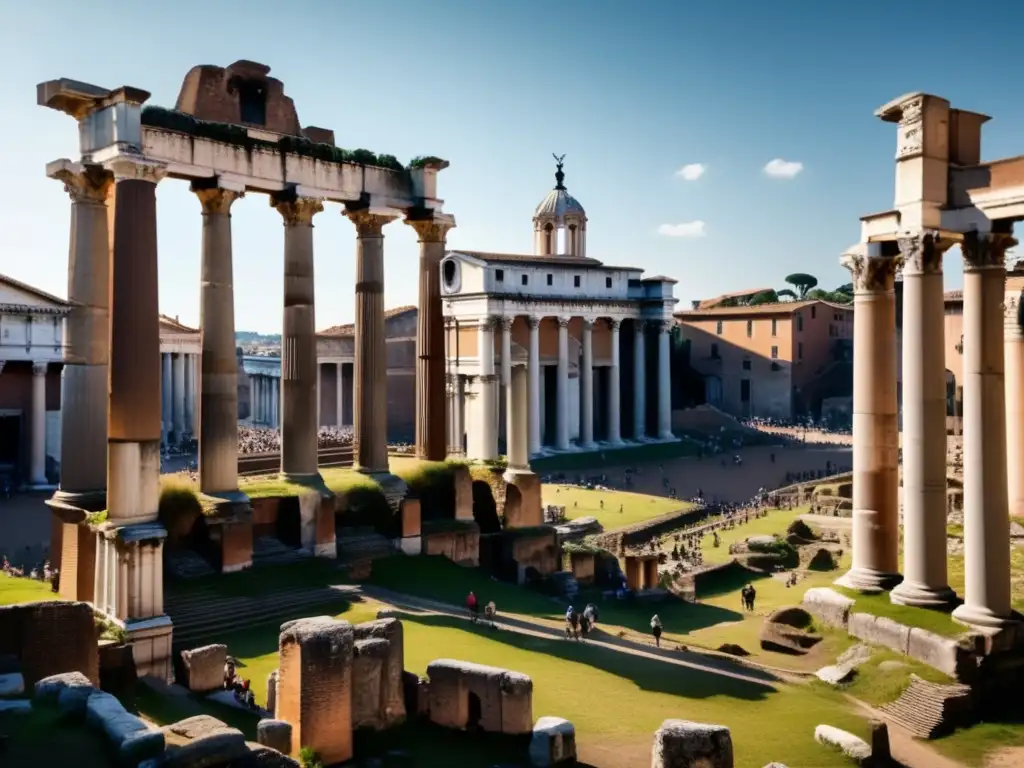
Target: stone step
(924,708)
(186,564)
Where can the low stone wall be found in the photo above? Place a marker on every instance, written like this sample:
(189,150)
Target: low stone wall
(539,550)
(464,695)
(945,654)
(582,566)
(264,516)
(459,543)
(50,638)
(619,540)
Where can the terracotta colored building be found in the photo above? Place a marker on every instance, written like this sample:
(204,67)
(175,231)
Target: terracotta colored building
(772,360)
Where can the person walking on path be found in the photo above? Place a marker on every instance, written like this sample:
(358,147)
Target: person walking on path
(572,621)
(473,607)
(656,630)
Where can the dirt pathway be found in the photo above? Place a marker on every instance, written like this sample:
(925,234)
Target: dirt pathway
(909,751)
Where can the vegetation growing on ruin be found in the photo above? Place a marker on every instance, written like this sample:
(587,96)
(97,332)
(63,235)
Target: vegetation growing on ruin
(421,161)
(238,135)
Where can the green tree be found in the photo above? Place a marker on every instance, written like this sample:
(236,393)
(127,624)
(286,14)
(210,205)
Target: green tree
(764,297)
(802,282)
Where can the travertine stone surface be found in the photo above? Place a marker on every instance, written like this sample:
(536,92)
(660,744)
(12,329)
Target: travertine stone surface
(465,695)
(204,667)
(367,672)
(392,697)
(685,744)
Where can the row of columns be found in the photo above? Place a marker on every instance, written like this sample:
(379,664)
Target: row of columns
(265,400)
(483,440)
(876,438)
(179,384)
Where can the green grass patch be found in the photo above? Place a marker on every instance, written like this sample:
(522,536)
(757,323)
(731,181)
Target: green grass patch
(974,745)
(620,508)
(880,605)
(252,582)
(18,590)
(268,486)
(775,524)
(884,677)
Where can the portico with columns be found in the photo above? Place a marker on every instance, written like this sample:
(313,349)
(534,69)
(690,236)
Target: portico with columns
(125,152)
(180,360)
(945,197)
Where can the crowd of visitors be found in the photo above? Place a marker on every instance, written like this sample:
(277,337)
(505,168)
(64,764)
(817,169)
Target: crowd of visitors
(42,573)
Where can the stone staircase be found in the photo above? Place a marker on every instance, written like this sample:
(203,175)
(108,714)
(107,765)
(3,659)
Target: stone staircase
(269,550)
(186,564)
(928,709)
(206,615)
(358,544)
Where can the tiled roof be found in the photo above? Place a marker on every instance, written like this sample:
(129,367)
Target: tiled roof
(512,258)
(34,291)
(782,308)
(708,303)
(349,328)
(172,324)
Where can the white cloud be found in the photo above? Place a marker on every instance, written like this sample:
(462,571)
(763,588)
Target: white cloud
(691,171)
(783,169)
(686,229)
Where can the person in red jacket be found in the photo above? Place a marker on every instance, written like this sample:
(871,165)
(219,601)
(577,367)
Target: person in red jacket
(474,609)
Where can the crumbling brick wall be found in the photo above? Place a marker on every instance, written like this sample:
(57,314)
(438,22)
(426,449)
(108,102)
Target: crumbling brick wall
(465,695)
(391,702)
(50,638)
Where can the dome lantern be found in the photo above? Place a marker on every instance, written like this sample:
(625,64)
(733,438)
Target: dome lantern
(559,222)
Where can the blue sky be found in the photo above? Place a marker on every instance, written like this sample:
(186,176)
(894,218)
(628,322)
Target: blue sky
(630,93)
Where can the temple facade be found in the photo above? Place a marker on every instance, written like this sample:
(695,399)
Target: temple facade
(571,352)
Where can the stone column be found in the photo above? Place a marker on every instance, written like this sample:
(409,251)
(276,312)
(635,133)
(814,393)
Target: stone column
(562,388)
(319,394)
(167,396)
(178,396)
(430,355)
(277,405)
(370,396)
(665,381)
(614,414)
(875,435)
(1014,354)
(534,369)
(38,464)
(299,367)
(338,418)
(639,382)
(986,522)
(218,379)
(587,387)
(252,398)
(189,408)
(488,408)
(925,581)
(459,421)
(517,427)
(83,451)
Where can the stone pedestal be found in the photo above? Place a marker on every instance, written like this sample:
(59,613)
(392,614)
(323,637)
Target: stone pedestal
(875,433)
(316,515)
(299,393)
(411,542)
(523,508)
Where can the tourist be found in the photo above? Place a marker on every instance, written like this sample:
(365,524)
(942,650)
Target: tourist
(745,597)
(591,614)
(751,594)
(490,614)
(471,604)
(572,621)
(584,625)
(656,630)
(229,675)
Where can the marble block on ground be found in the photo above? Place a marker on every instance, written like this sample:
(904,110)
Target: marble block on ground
(685,744)
(204,667)
(553,742)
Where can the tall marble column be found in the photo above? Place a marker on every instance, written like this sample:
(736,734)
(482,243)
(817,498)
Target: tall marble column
(535,389)
(178,396)
(298,341)
(487,448)
(84,381)
(665,381)
(639,381)
(167,396)
(319,394)
(252,398)
(430,355)
(38,438)
(338,417)
(614,394)
(189,409)
(562,386)
(587,387)
(459,420)
(1014,354)
(370,396)
(925,582)
(875,434)
(218,376)
(986,521)
(276,404)
(517,427)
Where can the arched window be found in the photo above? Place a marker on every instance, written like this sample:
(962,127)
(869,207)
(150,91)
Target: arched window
(548,229)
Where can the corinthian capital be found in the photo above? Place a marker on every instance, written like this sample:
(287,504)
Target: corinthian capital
(922,252)
(533,323)
(985,250)
(368,221)
(614,324)
(86,184)
(297,211)
(871,272)
(216,200)
(136,168)
(432,230)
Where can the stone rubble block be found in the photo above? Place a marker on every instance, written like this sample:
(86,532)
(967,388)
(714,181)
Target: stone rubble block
(835,674)
(505,698)
(12,684)
(367,669)
(276,734)
(204,667)
(392,695)
(131,739)
(272,692)
(685,744)
(878,630)
(553,742)
(214,744)
(70,691)
(943,653)
(828,606)
(852,746)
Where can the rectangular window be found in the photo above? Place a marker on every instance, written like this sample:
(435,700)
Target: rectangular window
(714,351)
(800,321)
(775,353)
(813,312)
(746,365)
(526,279)
(607,282)
(551,279)
(576,281)
(799,350)
(499,275)
(750,328)
(775,327)
(718,328)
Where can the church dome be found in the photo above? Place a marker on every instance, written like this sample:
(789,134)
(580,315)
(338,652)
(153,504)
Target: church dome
(559,202)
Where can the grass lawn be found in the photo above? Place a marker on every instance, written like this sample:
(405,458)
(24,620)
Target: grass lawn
(635,507)
(14,590)
(973,745)
(777,522)
(876,685)
(939,622)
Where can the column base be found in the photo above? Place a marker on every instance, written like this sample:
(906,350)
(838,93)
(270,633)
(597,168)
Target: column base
(523,509)
(922,596)
(227,502)
(868,580)
(312,480)
(586,446)
(985,618)
(668,436)
(77,501)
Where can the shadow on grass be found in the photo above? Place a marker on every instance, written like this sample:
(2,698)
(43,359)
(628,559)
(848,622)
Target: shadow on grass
(44,737)
(678,617)
(1002,729)
(263,580)
(648,674)
(730,578)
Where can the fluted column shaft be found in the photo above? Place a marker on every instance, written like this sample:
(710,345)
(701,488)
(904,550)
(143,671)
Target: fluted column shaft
(534,370)
(665,381)
(1013,329)
(458,422)
(986,521)
(431,402)
(371,399)
(298,342)
(640,381)
(587,387)
(218,375)
(166,395)
(875,435)
(133,428)
(189,408)
(925,580)
(178,397)
(37,467)
(84,381)
(614,394)
(338,419)
(562,386)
